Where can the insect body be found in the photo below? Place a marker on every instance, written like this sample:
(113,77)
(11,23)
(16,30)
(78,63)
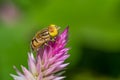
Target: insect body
(43,36)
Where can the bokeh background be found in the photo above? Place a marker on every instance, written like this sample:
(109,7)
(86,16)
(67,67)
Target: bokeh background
(94,35)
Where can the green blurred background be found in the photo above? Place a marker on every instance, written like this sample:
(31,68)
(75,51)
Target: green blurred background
(94,35)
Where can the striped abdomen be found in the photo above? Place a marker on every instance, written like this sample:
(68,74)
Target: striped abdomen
(40,39)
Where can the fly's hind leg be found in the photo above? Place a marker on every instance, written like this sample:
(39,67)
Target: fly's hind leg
(46,44)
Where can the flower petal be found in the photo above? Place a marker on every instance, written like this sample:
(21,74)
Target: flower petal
(17,77)
(31,63)
(27,74)
(59,78)
(39,65)
(18,72)
(50,77)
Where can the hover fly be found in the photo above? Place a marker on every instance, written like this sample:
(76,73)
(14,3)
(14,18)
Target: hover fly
(43,36)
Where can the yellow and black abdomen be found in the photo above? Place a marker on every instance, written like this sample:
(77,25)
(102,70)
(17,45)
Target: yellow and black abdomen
(35,44)
(40,39)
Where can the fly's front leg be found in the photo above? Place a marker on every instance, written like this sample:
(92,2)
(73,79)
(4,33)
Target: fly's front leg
(52,39)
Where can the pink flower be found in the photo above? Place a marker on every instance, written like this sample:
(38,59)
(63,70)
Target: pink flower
(48,63)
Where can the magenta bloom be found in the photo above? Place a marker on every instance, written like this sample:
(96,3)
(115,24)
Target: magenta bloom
(48,63)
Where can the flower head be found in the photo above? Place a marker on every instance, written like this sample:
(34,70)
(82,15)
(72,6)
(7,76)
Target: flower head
(48,63)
